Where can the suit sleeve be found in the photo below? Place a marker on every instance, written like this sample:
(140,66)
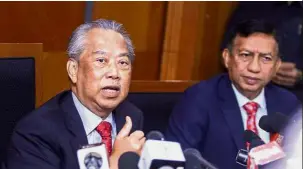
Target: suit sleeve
(141,121)
(188,121)
(31,149)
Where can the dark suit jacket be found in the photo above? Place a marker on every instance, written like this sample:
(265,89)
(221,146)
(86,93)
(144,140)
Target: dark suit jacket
(208,118)
(49,137)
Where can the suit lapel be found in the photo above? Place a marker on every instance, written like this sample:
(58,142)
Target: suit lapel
(120,114)
(231,111)
(119,119)
(73,123)
(272,105)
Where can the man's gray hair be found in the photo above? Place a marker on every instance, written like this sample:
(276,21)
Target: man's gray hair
(77,41)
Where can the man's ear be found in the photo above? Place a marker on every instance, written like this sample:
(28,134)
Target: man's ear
(72,69)
(226,57)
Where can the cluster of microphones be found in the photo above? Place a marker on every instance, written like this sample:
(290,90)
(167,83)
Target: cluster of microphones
(160,154)
(157,153)
(272,155)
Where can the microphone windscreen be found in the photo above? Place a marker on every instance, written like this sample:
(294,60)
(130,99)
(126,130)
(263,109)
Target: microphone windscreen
(128,160)
(155,135)
(274,123)
(194,160)
(265,124)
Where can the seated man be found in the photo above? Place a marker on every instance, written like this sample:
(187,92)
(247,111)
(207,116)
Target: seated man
(99,68)
(213,114)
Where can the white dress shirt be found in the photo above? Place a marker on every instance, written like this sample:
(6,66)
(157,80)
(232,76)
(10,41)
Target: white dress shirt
(91,121)
(260,99)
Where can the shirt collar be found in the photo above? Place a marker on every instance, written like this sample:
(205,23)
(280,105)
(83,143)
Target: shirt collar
(89,119)
(242,100)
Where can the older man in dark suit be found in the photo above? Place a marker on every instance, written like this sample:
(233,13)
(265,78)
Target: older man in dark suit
(93,111)
(213,114)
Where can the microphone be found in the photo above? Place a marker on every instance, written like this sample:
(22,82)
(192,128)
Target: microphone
(128,160)
(254,141)
(280,126)
(266,153)
(194,160)
(158,153)
(259,152)
(155,135)
(93,156)
(274,124)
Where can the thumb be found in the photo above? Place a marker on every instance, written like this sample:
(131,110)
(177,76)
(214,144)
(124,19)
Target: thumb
(124,132)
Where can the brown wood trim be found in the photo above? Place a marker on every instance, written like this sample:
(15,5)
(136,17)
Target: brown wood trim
(180,43)
(171,40)
(27,50)
(160,86)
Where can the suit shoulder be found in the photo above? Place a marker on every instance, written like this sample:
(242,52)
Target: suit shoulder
(205,88)
(129,107)
(289,101)
(126,108)
(41,119)
(283,93)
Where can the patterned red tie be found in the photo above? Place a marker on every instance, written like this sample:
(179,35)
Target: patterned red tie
(251,108)
(105,130)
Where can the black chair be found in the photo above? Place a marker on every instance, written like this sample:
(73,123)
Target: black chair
(17,95)
(20,85)
(156,107)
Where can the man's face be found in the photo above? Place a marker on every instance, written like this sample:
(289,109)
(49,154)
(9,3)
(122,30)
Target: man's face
(104,70)
(252,62)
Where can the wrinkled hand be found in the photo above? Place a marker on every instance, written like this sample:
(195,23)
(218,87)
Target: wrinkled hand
(125,142)
(287,74)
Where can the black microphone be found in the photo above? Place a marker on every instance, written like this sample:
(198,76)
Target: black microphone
(254,141)
(263,154)
(275,124)
(194,160)
(282,128)
(128,160)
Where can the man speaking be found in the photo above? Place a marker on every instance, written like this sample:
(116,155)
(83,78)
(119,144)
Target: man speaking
(99,67)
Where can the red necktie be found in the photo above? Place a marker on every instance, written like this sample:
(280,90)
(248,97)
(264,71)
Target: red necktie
(105,130)
(251,108)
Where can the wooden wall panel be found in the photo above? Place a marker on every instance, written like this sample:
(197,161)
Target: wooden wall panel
(192,38)
(50,23)
(216,14)
(180,43)
(144,22)
(55,78)
(173,40)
